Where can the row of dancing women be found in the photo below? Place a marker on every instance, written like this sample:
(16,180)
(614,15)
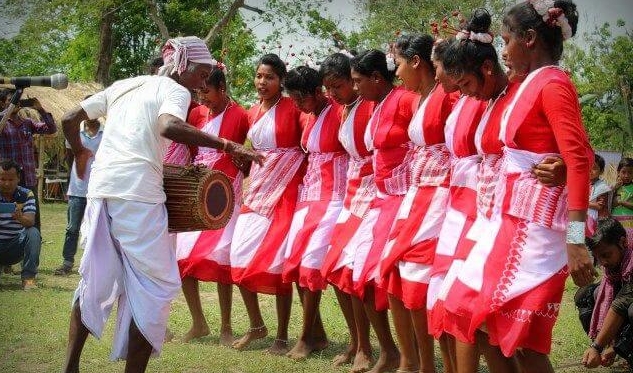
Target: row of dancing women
(439,200)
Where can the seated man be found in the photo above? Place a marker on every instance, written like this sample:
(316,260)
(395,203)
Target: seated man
(610,325)
(19,239)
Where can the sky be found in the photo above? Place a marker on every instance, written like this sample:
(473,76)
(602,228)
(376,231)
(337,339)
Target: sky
(592,13)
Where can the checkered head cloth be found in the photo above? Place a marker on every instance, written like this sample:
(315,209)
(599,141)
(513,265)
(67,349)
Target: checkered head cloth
(177,52)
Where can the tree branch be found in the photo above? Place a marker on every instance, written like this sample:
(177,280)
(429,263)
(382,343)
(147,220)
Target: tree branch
(253,9)
(217,28)
(153,14)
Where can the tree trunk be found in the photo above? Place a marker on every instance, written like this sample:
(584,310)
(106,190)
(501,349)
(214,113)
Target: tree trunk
(153,14)
(105,47)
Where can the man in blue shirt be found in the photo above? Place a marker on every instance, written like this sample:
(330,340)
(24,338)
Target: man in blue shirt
(19,239)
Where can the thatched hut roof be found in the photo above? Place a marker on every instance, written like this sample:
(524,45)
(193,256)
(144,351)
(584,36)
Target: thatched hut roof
(58,102)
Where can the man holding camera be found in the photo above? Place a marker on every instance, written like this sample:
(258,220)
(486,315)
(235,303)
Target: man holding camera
(16,140)
(610,324)
(19,239)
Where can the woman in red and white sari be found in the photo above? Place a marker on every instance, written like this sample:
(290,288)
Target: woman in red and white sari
(522,249)
(320,201)
(470,63)
(354,224)
(261,231)
(386,135)
(204,255)
(408,256)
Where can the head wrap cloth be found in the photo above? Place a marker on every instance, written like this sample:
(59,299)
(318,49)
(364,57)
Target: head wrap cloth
(178,52)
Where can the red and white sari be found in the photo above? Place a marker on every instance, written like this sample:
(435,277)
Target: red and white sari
(452,244)
(320,200)
(205,255)
(523,246)
(453,311)
(261,230)
(386,134)
(408,255)
(353,229)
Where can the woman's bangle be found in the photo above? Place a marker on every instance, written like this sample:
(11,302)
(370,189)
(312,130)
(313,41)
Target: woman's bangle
(576,232)
(224,144)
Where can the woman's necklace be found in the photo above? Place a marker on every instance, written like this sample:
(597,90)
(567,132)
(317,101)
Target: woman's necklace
(259,144)
(226,106)
(319,119)
(259,109)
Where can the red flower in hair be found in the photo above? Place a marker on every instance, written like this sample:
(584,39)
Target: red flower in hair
(554,13)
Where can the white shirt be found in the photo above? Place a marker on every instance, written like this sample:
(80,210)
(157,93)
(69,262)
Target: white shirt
(128,164)
(76,186)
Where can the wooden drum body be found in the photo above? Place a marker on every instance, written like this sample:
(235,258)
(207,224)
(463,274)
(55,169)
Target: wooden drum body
(197,198)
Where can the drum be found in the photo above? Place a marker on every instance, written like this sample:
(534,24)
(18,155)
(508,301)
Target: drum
(197,198)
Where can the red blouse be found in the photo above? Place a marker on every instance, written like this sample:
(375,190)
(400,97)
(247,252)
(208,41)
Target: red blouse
(554,124)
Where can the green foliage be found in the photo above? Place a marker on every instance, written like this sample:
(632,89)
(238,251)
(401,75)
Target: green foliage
(604,75)
(63,35)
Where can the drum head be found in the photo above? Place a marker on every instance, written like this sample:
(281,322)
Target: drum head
(217,200)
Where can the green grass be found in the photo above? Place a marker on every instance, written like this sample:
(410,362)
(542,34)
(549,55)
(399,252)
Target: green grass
(34,326)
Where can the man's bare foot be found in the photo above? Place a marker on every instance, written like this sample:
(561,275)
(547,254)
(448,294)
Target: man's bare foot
(251,335)
(386,362)
(345,357)
(195,333)
(362,362)
(169,335)
(226,337)
(279,347)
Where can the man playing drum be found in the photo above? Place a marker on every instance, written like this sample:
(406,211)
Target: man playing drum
(129,255)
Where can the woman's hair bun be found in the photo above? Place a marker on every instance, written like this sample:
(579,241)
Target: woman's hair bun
(480,21)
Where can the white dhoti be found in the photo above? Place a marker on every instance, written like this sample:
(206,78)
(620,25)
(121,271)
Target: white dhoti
(129,258)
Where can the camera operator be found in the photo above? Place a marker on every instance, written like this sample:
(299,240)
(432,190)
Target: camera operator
(611,318)
(16,140)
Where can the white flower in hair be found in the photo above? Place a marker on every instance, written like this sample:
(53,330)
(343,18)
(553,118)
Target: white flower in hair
(391,62)
(482,37)
(553,16)
(311,64)
(347,53)
(563,23)
(542,7)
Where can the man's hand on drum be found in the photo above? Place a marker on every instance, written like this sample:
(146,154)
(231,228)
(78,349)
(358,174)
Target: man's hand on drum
(242,155)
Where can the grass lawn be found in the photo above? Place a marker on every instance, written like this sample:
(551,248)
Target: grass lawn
(34,326)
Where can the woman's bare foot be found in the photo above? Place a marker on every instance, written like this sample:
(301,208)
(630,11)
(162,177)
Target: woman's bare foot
(303,348)
(195,332)
(321,344)
(226,337)
(362,362)
(279,347)
(345,357)
(251,335)
(386,362)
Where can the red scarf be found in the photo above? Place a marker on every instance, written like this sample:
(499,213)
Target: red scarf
(606,291)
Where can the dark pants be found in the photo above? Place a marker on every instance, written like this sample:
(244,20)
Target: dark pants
(25,247)
(75,213)
(585,300)
(33,189)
